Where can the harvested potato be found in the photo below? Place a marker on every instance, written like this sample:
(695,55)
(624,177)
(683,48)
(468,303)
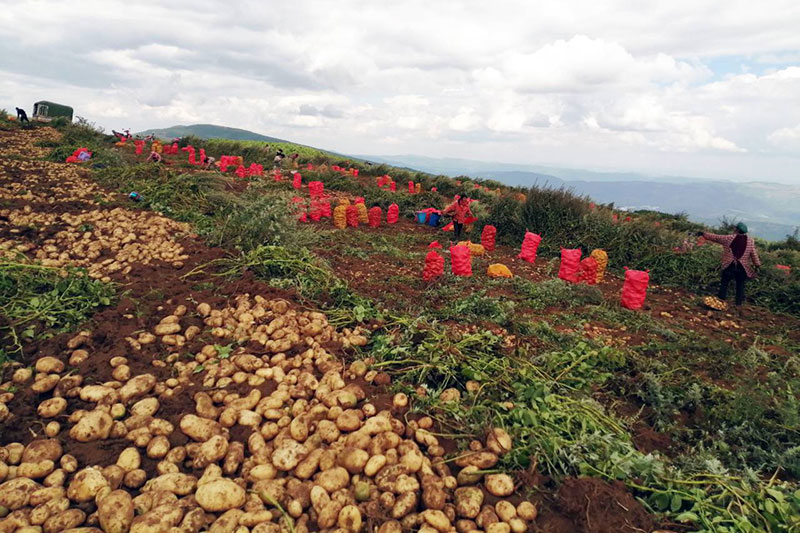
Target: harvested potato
(527,511)
(115,512)
(220,495)
(41,449)
(468,501)
(499,441)
(499,484)
(86,484)
(95,425)
(52,408)
(199,429)
(16,493)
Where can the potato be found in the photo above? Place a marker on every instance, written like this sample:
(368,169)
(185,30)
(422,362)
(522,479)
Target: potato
(41,449)
(22,375)
(404,504)
(115,512)
(499,441)
(137,387)
(158,447)
(518,525)
(199,429)
(145,407)
(211,451)
(374,464)
(436,519)
(95,425)
(55,479)
(308,466)
(400,400)
(349,420)
(499,484)
(527,511)
(16,493)
(52,408)
(98,393)
(46,383)
(220,495)
(135,478)
(391,526)
(353,459)
(350,519)
(329,514)
(233,458)
(203,309)
(64,521)
(333,479)
(468,501)
(253,518)
(505,510)
(35,470)
(46,494)
(49,365)
(45,510)
(498,527)
(288,454)
(167,328)
(129,459)
(86,484)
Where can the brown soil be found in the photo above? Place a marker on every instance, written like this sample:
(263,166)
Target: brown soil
(596,506)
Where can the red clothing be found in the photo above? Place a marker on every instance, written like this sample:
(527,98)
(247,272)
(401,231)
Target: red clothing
(460,212)
(748,257)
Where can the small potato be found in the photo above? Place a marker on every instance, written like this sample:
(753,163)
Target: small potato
(52,429)
(145,407)
(45,383)
(350,519)
(129,459)
(167,329)
(199,429)
(404,504)
(175,483)
(527,511)
(69,463)
(288,455)
(329,514)
(334,479)
(158,447)
(41,449)
(437,520)
(400,401)
(135,478)
(498,527)
(374,464)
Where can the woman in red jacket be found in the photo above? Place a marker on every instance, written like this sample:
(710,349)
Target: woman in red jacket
(460,211)
(739,260)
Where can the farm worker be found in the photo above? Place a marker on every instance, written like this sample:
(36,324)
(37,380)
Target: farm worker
(294,157)
(154,156)
(739,260)
(278,160)
(460,211)
(22,116)
(209,162)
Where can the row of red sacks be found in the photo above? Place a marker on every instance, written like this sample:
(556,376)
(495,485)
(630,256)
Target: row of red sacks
(319,209)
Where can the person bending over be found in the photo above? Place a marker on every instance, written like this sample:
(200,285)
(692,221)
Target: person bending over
(22,116)
(460,211)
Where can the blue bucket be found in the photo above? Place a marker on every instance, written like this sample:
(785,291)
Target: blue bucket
(434,219)
(421,216)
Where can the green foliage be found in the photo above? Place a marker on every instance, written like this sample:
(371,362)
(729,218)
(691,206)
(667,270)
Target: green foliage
(478,307)
(555,292)
(37,301)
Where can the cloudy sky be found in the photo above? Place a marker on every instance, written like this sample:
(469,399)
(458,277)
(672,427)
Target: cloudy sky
(690,87)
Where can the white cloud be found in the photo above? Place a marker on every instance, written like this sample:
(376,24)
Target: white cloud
(576,83)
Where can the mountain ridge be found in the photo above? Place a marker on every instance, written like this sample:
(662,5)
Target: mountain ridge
(210,131)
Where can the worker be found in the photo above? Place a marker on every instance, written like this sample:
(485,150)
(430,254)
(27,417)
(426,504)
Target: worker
(278,160)
(155,157)
(739,260)
(460,212)
(209,162)
(22,116)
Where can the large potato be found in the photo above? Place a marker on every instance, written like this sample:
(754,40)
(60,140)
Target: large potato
(35,470)
(437,520)
(86,485)
(211,451)
(49,365)
(94,425)
(199,429)
(16,493)
(64,521)
(334,479)
(129,459)
(499,441)
(137,387)
(145,407)
(42,449)
(51,408)
(220,495)
(353,459)
(288,455)
(468,501)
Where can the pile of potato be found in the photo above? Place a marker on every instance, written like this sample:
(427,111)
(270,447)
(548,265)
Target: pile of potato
(48,183)
(104,242)
(22,143)
(317,452)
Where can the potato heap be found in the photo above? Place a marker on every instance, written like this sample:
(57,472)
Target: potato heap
(22,143)
(312,448)
(48,183)
(104,242)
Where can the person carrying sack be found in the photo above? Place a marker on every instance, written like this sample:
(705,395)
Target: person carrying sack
(460,211)
(739,260)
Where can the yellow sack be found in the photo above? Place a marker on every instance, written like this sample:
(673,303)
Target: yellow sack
(418,188)
(340,216)
(343,201)
(602,261)
(474,249)
(498,270)
(363,217)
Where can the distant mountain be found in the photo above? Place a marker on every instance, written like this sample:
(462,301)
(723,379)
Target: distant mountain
(210,131)
(769,209)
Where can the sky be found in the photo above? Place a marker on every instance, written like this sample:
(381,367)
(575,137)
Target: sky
(685,87)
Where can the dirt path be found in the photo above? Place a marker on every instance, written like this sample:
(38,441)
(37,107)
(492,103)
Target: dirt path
(201,402)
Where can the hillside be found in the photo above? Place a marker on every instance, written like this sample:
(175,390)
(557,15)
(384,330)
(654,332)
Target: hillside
(769,209)
(209,131)
(256,353)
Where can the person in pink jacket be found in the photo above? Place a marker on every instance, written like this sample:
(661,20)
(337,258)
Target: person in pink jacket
(739,260)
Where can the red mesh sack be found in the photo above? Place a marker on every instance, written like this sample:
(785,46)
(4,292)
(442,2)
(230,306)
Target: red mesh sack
(461,260)
(174,148)
(570,261)
(411,187)
(393,186)
(316,188)
(326,210)
(434,266)
(530,244)
(587,271)
(375,214)
(634,291)
(241,172)
(488,236)
(358,200)
(315,212)
(139,145)
(352,216)
(297,181)
(392,214)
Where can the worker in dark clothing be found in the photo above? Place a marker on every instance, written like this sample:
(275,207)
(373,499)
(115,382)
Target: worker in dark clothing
(22,116)
(739,260)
